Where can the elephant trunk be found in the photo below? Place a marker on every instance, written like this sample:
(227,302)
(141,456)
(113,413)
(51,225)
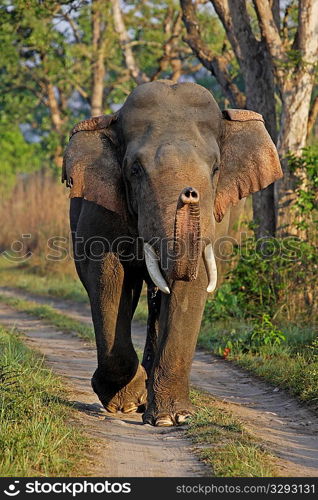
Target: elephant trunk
(187,233)
(187,247)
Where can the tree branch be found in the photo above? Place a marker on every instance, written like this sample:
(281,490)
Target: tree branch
(275,8)
(74,27)
(216,64)
(307,32)
(285,22)
(125,41)
(98,45)
(271,35)
(171,54)
(222,9)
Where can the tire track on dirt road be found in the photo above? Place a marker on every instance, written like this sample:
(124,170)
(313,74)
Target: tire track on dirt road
(288,428)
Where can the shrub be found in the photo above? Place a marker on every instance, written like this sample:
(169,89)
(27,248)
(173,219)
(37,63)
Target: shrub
(278,285)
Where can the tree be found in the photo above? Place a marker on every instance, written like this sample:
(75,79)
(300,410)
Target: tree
(294,60)
(65,60)
(272,54)
(34,69)
(159,31)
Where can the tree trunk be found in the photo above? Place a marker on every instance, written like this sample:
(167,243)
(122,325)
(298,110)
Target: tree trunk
(292,138)
(54,108)
(125,41)
(260,93)
(295,82)
(98,62)
(56,121)
(313,113)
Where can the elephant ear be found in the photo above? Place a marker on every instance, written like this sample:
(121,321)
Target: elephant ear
(249,159)
(90,166)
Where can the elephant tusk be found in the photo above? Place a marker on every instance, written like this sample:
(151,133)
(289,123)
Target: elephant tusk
(153,268)
(210,266)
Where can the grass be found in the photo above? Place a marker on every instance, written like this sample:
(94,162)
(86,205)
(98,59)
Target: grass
(291,364)
(49,314)
(36,437)
(27,278)
(31,279)
(224,444)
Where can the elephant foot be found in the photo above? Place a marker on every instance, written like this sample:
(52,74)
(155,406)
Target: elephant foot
(128,398)
(179,414)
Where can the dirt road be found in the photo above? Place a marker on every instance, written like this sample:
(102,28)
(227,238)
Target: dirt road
(287,428)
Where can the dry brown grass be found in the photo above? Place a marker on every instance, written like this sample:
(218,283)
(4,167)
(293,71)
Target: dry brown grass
(37,206)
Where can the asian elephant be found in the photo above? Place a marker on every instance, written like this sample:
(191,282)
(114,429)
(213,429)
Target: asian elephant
(148,186)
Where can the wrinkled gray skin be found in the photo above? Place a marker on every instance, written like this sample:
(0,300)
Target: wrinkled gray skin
(166,138)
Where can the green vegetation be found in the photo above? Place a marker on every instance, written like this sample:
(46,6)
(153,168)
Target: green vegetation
(225,445)
(284,356)
(283,285)
(50,315)
(28,278)
(306,205)
(61,285)
(264,315)
(55,318)
(17,156)
(36,438)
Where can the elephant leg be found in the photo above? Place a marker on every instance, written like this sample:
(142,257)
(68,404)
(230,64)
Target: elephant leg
(119,380)
(154,301)
(180,319)
(76,205)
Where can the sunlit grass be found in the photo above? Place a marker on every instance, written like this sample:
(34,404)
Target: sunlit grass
(292,364)
(26,277)
(224,443)
(49,314)
(36,438)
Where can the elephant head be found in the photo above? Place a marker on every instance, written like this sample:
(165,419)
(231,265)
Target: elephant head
(170,161)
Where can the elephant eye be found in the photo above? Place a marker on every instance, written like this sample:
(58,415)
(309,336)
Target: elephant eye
(135,168)
(215,169)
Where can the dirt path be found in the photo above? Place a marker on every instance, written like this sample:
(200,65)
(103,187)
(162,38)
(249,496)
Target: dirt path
(123,447)
(289,429)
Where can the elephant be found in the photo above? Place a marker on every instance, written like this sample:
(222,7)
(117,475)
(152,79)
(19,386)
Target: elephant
(149,186)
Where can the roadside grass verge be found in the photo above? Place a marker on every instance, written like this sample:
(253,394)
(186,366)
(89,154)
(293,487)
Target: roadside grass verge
(28,278)
(36,438)
(290,362)
(49,314)
(224,444)
(63,286)
(55,318)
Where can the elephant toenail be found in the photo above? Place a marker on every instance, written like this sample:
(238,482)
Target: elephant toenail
(164,421)
(130,408)
(182,419)
(111,408)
